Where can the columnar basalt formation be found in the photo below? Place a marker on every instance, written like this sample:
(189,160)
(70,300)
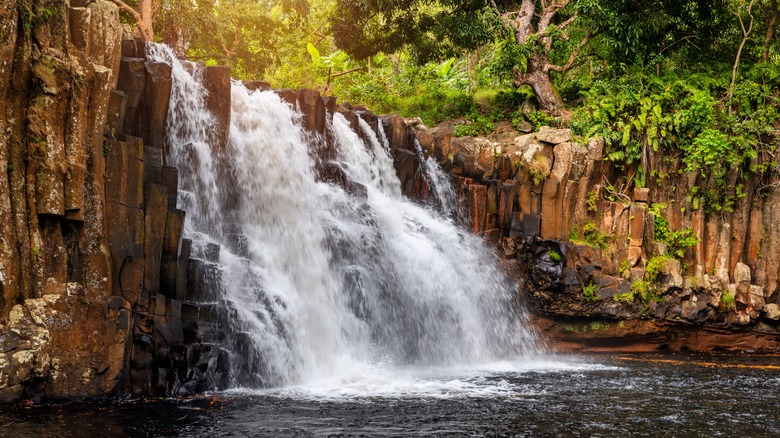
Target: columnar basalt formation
(580,237)
(93,267)
(100,293)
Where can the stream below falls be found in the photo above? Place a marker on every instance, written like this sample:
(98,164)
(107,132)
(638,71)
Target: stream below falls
(604,396)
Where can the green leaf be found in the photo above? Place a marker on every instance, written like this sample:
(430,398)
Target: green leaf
(315,54)
(626,135)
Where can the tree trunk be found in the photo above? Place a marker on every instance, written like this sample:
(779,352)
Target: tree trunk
(144,16)
(145,24)
(539,79)
(770,28)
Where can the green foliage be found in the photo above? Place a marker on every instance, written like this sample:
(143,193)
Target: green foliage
(646,292)
(627,297)
(591,236)
(728,300)
(680,241)
(599,325)
(589,291)
(555,256)
(539,169)
(591,202)
(36,13)
(660,222)
(476,125)
(539,119)
(642,113)
(625,267)
(656,266)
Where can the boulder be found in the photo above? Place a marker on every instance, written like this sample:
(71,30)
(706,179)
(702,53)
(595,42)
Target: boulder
(756,298)
(524,127)
(742,277)
(671,275)
(772,311)
(553,136)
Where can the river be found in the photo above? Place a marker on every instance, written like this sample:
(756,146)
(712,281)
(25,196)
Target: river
(602,396)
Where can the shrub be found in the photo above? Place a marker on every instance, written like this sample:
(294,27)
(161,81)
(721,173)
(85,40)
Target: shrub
(594,237)
(589,292)
(591,203)
(728,300)
(627,297)
(540,168)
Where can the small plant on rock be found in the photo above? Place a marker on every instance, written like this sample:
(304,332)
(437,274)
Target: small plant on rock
(728,301)
(591,203)
(539,168)
(589,291)
(594,237)
(555,256)
(624,269)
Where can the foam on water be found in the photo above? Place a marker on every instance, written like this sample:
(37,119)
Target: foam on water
(366,381)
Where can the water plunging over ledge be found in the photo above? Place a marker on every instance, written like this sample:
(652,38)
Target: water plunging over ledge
(316,278)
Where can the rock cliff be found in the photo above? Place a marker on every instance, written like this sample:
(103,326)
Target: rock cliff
(94,273)
(588,245)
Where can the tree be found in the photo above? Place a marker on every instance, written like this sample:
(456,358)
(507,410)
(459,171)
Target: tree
(538,38)
(144,13)
(532,26)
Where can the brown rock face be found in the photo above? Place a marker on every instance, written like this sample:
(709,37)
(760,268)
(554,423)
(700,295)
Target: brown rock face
(726,276)
(89,234)
(217,82)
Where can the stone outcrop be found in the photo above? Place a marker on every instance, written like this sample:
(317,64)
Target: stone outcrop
(581,237)
(93,267)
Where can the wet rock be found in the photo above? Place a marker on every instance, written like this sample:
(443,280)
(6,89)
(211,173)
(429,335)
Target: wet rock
(313,109)
(217,81)
(132,82)
(256,85)
(151,123)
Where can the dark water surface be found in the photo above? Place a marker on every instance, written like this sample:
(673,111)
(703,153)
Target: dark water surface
(604,396)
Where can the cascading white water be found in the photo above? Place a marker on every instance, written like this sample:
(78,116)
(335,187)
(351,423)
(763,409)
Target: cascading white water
(327,278)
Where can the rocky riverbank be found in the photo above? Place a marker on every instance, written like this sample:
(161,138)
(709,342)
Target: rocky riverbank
(586,244)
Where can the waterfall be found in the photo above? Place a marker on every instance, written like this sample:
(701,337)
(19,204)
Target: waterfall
(313,277)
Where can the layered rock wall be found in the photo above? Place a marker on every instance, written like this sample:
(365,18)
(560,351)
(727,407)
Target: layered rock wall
(581,236)
(93,268)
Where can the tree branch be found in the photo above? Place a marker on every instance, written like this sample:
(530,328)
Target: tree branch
(128,9)
(549,12)
(335,75)
(572,56)
(568,22)
(746,35)
(523,26)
